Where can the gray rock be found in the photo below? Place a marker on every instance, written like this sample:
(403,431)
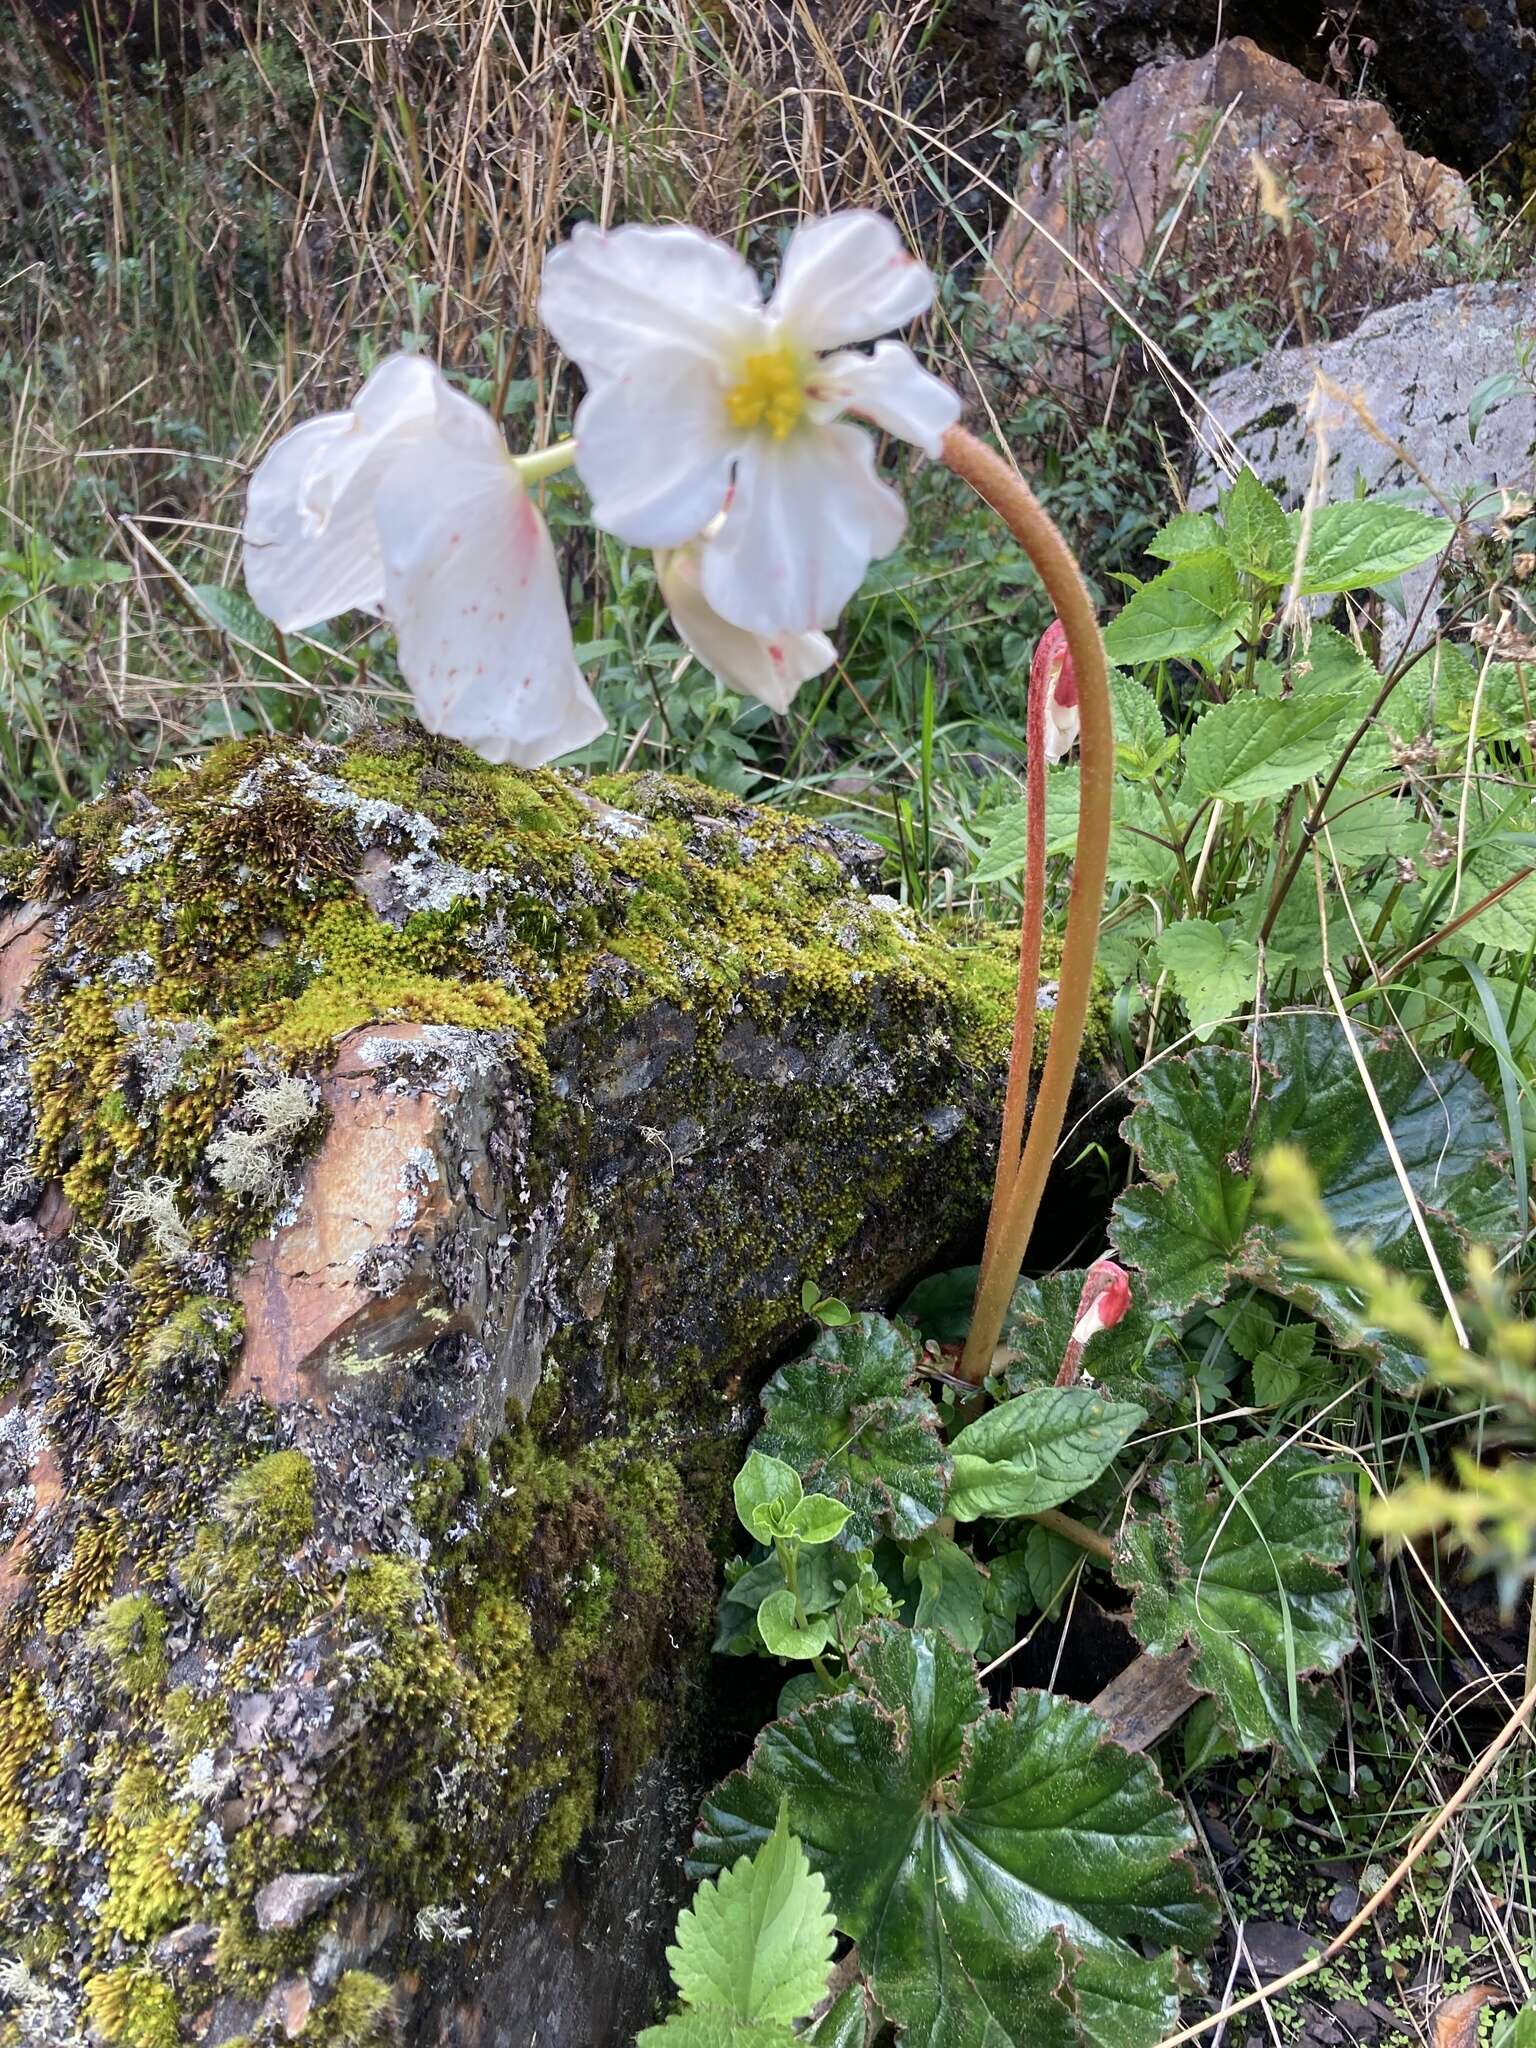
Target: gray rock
(1274,1947)
(375,1526)
(1415,369)
(291,1900)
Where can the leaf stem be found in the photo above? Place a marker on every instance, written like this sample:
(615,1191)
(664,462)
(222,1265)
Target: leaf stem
(1014,1214)
(1075,1532)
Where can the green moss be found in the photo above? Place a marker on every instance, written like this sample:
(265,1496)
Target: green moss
(356,2014)
(144,1838)
(264,1514)
(133,2007)
(131,1634)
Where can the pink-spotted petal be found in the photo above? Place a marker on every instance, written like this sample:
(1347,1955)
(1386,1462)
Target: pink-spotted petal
(311,551)
(768,666)
(807,517)
(613,299)
(656,456)
(891,389)
(473,592)
(848,277)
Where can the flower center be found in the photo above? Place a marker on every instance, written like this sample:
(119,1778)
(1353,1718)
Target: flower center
(770,391)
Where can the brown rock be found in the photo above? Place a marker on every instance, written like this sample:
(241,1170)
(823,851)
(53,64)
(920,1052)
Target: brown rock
(24,936)
(351,1277)
(1368,212)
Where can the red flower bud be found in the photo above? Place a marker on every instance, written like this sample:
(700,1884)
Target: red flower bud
(1105,1298)
(1052,671)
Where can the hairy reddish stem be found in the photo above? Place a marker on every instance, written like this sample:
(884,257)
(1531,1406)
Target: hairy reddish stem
(1016,1204)
(1031,929)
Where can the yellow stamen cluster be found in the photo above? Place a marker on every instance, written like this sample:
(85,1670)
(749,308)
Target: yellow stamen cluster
(770,392)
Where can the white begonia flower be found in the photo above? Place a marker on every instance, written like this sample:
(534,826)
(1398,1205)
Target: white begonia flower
(409,505)
(768,666)
(694,386)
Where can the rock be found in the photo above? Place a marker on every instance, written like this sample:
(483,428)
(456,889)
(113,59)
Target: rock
(1359,2022)
(1344,1905)
(1275,1948)
(1370,214)
(1415,370)
(290,1900)
(1457,75)
(436,1154)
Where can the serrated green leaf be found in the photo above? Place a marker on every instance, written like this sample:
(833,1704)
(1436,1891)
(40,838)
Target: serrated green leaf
(1141,738)
(1363,542)
(957,1843)
(1214,968)
(1187,533)
(1256,747)
(1037,1450)
(1132,1361)
(714,2030)
(1258,537)
(757,1941)
(1250,1577)
(766,1491)
(848,1417)
(1191,1229)
(1194,608)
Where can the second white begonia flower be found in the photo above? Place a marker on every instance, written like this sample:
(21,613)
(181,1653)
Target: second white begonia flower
(409,505)
(698,393)
(768,666)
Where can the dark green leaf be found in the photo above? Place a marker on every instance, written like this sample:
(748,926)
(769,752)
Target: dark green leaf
(233,613)
(1201,1119)
(1037,1450)
(953,1589)
(958,1843)
(940,1307)
(1248,1575)
(848,1417)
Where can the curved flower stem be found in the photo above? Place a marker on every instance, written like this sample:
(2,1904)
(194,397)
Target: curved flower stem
(1031,929)
(543,462)
(1016,1206)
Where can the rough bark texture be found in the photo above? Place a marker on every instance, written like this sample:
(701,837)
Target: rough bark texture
(408,1165)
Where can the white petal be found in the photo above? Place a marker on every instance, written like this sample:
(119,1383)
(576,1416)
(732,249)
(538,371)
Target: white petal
(657,457)
(892,389)
(768,666)
(1061,724)
(807,517)
(472,590)
(847,278)
(311,551)
(612,299)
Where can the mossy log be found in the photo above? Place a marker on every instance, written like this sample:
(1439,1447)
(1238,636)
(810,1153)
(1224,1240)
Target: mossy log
(408,1167)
